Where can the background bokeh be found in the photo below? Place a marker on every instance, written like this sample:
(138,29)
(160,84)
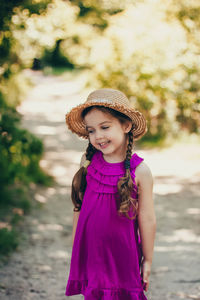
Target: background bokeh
(149,49)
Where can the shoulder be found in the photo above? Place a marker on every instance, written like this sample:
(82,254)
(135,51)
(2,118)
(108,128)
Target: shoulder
(95,157)
(143,174)
(83,159)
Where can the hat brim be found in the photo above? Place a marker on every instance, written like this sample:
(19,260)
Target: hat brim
(75,122)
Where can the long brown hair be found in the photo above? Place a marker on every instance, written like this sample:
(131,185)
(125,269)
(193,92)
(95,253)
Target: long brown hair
(125,184)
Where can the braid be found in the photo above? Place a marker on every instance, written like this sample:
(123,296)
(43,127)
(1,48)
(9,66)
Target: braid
(129,150)
(90,151)
(79,182)
(125,184)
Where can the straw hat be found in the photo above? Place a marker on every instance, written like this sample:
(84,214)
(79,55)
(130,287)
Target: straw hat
(108,98)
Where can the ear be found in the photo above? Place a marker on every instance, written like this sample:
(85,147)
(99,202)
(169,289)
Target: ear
(127,126)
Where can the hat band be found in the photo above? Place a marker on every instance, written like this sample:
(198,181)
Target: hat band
(101,101)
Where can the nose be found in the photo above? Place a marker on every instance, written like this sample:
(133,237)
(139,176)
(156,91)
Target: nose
(98,135)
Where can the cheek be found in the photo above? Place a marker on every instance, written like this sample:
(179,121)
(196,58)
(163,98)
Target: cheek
(91,139)
(117,132)
(120,136)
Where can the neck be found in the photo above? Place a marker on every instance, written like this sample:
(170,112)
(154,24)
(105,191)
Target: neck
(118,157)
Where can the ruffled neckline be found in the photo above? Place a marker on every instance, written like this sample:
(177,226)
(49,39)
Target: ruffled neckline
(100,165)
(113,164)
(103,176)
(104,167)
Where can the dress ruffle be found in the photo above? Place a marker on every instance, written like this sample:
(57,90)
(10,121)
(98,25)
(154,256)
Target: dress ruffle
(103,176)
(75,287)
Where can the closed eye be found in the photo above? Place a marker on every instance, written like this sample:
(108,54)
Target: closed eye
(104,128)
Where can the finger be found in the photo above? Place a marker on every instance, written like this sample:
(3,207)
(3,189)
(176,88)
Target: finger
(146,280)
(146,286)
(146,276)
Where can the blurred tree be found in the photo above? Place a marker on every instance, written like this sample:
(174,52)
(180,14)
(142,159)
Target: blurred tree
(20,151)
(56,58)
(97,12)
(9,59)
(188,98)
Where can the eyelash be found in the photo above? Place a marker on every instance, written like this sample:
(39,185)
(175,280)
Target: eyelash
(89,131)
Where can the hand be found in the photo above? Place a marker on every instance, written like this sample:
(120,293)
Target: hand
(146,270)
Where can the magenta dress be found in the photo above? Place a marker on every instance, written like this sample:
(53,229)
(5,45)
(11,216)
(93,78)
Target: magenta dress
(106,254)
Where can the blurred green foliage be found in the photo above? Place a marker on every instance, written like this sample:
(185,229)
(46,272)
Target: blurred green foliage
(55,58)
(20,151)
(96,13)
(9,59)
(8,241)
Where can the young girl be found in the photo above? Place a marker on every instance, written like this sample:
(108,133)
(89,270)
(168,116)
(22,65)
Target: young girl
(114,220)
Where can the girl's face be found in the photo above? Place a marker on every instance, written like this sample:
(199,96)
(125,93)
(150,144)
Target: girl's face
(107,134)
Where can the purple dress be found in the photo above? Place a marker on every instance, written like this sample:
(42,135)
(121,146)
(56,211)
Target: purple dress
(106,254)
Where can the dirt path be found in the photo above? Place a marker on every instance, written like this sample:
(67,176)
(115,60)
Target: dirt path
(39,269)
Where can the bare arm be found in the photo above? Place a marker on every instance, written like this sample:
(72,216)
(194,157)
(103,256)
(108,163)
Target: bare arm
(77,213)
(146,218)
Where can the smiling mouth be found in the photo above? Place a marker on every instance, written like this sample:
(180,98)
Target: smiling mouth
(103,144)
